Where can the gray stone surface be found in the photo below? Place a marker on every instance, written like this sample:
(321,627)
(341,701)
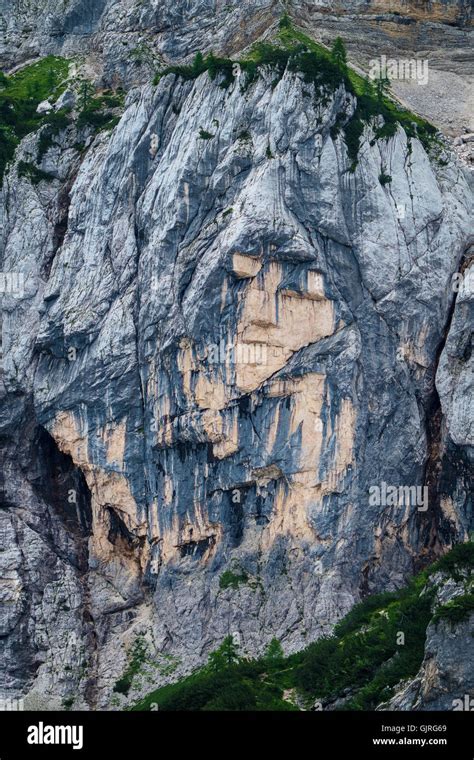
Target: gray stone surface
(141,462)
(66,100)
(455,378)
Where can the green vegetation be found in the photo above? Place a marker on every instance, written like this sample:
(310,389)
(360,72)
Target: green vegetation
(384,178)
(292,49)
(54,123)
(39,81)
(228,682)
(457,610)
(212,64)
(460,559)
(370,106)
(338,54)
(274,652)
(97,111)
(31,172)
(370,659)
(20,95)
(378,644)
(225,656)
(229,579)
(285,22)
(143,54)
(204,135)
(299,54)
(141,664)
(136,660)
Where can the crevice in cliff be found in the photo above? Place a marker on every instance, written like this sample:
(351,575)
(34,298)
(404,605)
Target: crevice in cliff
(436,531)
(198,548)
(124,540)
(140,363)
(61,217)
(90,639)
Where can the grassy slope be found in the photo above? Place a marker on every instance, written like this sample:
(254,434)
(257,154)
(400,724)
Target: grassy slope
(20,95)
(365,654)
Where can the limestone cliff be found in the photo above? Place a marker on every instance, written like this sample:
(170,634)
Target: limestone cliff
(230,331)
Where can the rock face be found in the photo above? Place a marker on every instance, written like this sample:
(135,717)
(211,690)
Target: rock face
(445,680)
(178,28)
(225,340)
(456,367)
(125,39)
